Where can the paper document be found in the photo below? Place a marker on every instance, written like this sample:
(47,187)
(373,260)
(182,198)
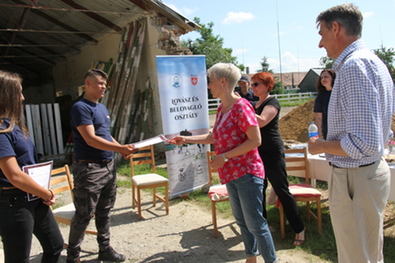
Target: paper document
(154,140)
(39,172)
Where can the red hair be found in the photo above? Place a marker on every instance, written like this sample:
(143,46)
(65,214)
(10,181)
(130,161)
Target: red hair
(266,78)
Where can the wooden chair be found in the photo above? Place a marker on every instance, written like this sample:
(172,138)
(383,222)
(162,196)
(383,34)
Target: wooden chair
(297,165)
(63,182)
(217,193)
(146,155)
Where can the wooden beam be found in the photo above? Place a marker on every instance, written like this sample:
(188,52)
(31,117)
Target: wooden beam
(30,56)
(67,9)
(50,31)
(21,24)
(140,4)
(43,48)
(57,22)
(59,40)
(36,45)
(94,16)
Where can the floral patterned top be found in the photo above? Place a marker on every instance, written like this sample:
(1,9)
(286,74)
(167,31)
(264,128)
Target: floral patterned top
(229,132)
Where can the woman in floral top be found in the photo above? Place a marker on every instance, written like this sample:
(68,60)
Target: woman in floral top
(236,137)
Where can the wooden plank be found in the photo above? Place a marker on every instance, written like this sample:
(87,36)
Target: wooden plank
(69,144)
(126,89)
(45,130)
(119,86)
(138,45)
(58,125)
(52,132)
(37,129)
(121,110)
(147,107)
(29,121)
(132,121)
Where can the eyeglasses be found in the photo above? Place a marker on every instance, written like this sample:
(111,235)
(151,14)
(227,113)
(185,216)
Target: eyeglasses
(255,84)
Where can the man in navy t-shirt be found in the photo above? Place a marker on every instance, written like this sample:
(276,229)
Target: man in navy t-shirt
(94,168)
(245,91)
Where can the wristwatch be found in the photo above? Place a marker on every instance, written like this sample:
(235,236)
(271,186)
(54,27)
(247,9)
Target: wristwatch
(225,158)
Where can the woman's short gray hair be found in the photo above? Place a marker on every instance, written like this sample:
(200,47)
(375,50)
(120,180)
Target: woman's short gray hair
(226,70)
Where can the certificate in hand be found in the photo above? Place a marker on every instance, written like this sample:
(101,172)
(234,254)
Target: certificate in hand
(150,141)
(39,172)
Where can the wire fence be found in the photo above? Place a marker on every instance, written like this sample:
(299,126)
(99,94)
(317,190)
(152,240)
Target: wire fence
(282,98)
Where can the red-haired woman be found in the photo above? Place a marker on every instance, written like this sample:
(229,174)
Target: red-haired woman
(271,150)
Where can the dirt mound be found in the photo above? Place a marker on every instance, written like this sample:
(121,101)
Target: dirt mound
(293,126)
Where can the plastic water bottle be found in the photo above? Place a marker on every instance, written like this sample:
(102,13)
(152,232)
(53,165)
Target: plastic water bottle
(313,130)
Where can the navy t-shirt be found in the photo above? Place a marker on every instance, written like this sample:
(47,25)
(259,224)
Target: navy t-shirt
(249,96)
(15,144)
(85,112)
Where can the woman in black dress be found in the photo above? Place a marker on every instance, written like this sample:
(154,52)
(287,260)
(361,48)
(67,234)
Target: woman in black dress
(324,88)
(271,150)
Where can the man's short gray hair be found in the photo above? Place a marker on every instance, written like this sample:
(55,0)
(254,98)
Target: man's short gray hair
(347,15)
(226,70)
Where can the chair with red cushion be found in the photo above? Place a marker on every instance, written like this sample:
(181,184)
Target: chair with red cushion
(297,165)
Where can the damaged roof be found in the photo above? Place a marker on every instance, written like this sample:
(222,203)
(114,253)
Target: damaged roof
(35,34)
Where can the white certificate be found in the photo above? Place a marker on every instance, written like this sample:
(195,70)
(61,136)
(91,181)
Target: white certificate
(40,173)
(154,140)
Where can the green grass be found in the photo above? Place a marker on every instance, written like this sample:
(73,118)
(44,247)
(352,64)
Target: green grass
(123,168)
(294,104)
(201,197)
(323,246)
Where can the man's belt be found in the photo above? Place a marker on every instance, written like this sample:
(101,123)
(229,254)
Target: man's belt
(94,161)
(363,165)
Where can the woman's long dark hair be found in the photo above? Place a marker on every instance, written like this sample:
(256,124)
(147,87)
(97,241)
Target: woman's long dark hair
(321,88)
(11,100)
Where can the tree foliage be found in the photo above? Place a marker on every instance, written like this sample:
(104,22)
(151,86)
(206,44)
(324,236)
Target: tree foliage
(387,55)
(265,66)
(326,62)
(278,85)
(210,45)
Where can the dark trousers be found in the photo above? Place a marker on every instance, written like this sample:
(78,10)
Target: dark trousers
(94,195)
(275,172)
(19,220)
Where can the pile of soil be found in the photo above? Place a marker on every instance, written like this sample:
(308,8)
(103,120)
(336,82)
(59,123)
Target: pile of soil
(293,126)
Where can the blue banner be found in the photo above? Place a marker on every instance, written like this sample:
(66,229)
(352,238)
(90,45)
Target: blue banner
(184,107)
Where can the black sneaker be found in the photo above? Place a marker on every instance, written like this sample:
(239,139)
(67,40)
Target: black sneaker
(73,257)
(74,260)
(111,255)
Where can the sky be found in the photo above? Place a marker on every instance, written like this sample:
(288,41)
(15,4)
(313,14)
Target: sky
(284,31)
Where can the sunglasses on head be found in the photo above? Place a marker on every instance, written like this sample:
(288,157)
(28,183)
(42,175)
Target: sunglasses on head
(255,84)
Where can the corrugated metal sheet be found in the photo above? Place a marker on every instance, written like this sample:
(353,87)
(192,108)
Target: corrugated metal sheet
(50,30)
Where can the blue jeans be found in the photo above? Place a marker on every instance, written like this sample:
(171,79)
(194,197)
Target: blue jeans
(245,196)
(19,220)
